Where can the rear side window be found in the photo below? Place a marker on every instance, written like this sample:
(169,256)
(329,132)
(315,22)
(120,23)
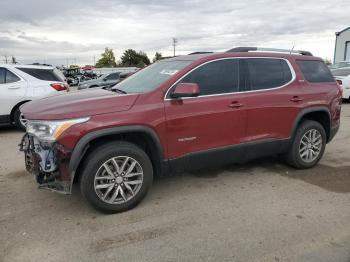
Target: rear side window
(7,76)
(42,74)
(315,71)
(11,77)
(216,77)
(266,73)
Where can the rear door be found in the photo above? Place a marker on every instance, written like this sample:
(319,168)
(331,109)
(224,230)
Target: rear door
(212,120)
(273,99)
(12,90)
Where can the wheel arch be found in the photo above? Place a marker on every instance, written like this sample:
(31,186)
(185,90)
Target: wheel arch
(320,114)
(15,108)
(142,136)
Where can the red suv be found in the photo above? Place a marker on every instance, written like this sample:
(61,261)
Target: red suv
(187,112)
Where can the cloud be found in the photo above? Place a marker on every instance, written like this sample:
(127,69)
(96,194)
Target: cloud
(80,29)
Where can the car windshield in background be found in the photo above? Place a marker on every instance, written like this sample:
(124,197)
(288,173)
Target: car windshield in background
(341,71)
(151,77)
(42,74)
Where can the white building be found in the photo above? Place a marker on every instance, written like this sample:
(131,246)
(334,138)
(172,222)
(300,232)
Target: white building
(342,46)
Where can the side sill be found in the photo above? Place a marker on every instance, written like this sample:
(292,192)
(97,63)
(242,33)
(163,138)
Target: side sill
(240,153)
(4,119)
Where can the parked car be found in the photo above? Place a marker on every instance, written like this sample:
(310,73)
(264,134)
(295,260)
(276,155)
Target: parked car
(342,75)
(178,114)
(23,83)
(340,65)
(104,80)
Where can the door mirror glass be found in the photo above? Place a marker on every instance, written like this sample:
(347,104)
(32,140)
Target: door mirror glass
(185,90)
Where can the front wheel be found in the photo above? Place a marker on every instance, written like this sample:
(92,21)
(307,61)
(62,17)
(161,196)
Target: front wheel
(116,177)
(308,145)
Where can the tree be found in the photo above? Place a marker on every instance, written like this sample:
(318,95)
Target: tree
(107,59)
(328,61)
(131,58)
(157,56)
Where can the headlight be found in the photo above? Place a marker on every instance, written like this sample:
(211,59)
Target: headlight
(51,130)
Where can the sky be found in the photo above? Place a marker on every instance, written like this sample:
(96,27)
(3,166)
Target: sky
(76,32)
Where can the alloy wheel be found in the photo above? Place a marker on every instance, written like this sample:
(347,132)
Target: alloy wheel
(310,145)
(118,180)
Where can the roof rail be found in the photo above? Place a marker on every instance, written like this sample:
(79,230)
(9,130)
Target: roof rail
(198,53)
(248,49)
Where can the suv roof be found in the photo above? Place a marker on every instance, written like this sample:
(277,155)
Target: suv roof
(26,66)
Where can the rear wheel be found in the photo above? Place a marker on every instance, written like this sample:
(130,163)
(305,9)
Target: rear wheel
(116,177)
(19,120)
(308,145)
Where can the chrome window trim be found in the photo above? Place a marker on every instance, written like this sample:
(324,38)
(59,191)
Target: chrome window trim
(230,93)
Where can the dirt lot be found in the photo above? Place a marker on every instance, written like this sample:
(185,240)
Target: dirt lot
(262,211)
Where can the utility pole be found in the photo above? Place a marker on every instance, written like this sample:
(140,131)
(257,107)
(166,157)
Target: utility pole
(174,44)
(94,61)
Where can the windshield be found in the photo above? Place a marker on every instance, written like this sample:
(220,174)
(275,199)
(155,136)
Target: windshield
(151,77)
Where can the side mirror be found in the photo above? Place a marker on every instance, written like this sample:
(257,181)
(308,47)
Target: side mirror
(185,90)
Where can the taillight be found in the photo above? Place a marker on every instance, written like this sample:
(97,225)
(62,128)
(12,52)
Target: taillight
(59,86)
(340,83)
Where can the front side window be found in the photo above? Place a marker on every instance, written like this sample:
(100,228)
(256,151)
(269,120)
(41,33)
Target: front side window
(11,77)
(2,75)
(315,71)
(266,73)
(217,77)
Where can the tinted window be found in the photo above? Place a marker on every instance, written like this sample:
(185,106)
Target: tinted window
(11,77)
(113,76)
(216,77)
(42,74)
(2,75)
(315,71)
(268,73)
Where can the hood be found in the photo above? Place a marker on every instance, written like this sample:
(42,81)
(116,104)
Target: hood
(78,104)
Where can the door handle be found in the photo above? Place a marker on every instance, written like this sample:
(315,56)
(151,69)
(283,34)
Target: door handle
(235,104)
(296,99)
(13,87)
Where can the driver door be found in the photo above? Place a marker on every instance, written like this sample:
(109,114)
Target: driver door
(213,120)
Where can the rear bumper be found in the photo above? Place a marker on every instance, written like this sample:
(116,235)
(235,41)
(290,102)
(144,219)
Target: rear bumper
(48,162)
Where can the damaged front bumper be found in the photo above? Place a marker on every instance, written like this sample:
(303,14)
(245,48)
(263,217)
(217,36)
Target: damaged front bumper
(48,161)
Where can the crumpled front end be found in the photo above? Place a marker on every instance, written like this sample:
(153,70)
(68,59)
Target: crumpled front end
(48,161)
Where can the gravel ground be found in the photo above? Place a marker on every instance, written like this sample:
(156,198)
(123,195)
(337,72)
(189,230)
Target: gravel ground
(261,211)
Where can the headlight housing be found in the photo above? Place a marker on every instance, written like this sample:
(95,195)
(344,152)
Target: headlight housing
(50,130)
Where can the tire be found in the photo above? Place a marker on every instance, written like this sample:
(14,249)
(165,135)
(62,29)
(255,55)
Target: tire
(298,157)
(94,170)
(19,120)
